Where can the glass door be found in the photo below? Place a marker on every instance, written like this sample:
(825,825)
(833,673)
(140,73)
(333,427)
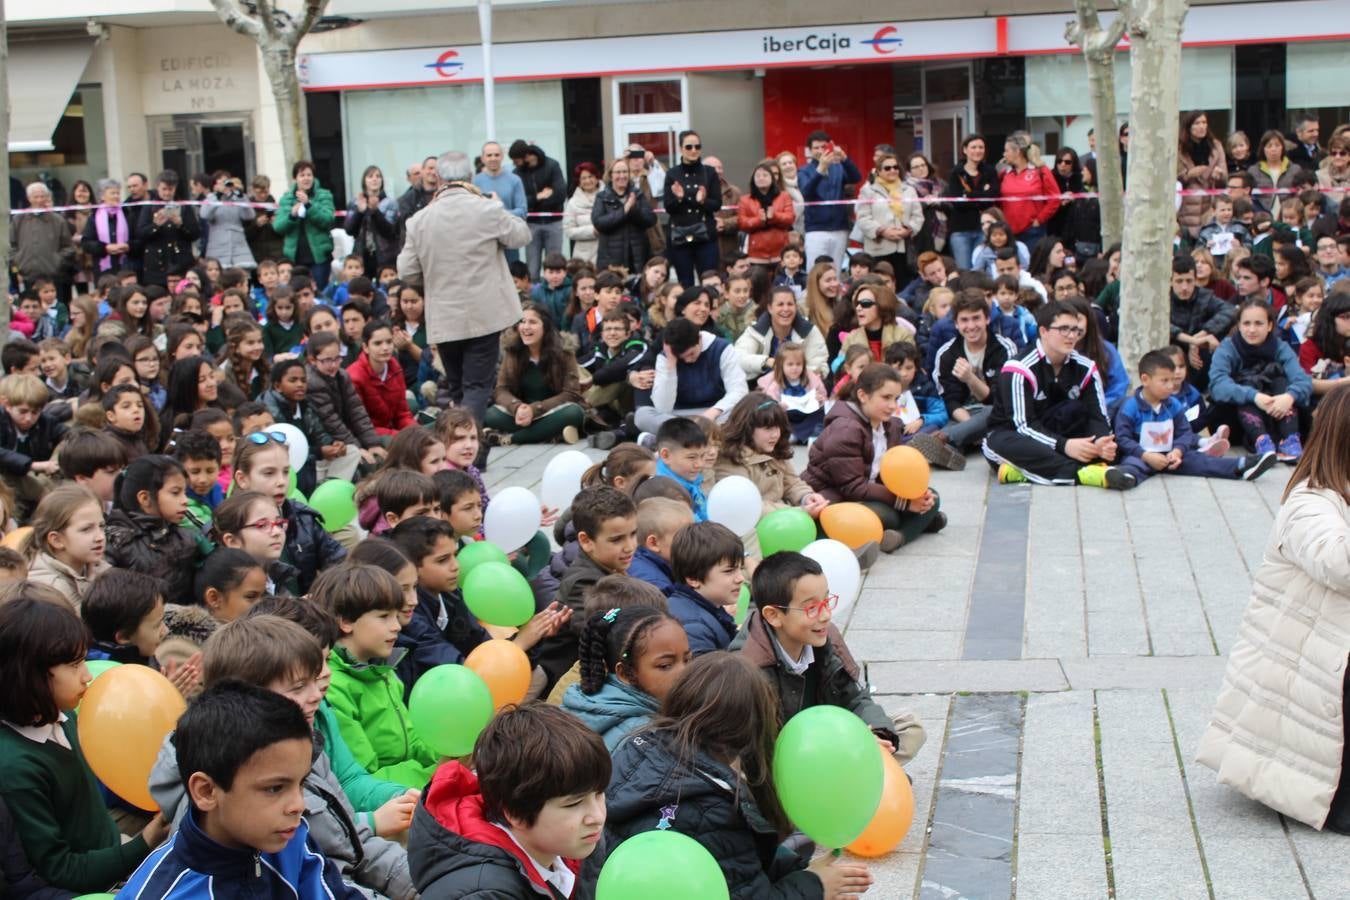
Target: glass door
(945,125)
(650,112)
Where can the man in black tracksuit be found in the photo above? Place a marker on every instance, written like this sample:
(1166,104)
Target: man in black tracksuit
(1049,422)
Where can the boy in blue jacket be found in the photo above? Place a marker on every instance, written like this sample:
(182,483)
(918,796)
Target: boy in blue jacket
(659,519)
(1153,435)
(705,561)
(243,752)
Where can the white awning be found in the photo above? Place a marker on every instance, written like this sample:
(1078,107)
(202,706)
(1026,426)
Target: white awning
(42,76)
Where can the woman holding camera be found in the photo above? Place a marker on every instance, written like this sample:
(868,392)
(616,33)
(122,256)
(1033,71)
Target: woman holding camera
(225,239)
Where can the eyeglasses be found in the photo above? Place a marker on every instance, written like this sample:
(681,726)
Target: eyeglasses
(262,437)
(1340,153)
(1072,331)
(327,360)
(864,304)
(890,168)
(1344,315)
(1065,162)
(813,608)
(693,146)
(268,525)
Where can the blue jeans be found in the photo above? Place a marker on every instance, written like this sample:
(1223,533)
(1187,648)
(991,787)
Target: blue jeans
(963,244)
(1031,236)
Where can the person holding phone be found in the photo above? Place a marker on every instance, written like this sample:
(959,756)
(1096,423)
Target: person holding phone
(825,179)
(167,234)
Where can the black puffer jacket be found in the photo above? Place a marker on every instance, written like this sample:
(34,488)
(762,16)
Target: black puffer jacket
(708,803)
(1203,312)
(621,234)
(151,546)
(308,547)
(340,408)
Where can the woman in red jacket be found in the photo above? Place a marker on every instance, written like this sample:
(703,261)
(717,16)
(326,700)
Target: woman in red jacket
(378,379)
(1027,175)
(765,213)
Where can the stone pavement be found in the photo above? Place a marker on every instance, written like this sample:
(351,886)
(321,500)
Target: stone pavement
(1063,648)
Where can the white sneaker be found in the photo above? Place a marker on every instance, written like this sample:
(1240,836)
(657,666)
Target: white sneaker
(1217,443)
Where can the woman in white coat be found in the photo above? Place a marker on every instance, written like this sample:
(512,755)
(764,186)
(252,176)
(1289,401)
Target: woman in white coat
(577,213)
(889,215)
(1278,729)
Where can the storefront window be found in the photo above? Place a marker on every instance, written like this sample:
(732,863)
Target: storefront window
(1315,79)
(639,98)
(1057,84)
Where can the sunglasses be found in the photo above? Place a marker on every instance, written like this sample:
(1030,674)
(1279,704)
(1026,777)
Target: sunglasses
(813,608)
(262,437)
(890,168)
(1340,153)
(693,146)
(864,304)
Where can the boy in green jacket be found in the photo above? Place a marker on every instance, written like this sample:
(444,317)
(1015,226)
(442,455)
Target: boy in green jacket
(365,693)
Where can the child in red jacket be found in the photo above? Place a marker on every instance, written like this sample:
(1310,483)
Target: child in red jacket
(378,380)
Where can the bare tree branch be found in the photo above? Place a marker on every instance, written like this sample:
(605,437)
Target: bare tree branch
(1115,31)
(268,16)
(233,16)
(314,10)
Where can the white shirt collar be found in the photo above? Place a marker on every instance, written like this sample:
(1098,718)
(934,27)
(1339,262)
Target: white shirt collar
(41,734)
(558,875)
(799,666)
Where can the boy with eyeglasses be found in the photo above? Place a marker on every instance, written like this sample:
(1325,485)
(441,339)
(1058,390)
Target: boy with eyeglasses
(790,637)
(1049,423)
(332,395)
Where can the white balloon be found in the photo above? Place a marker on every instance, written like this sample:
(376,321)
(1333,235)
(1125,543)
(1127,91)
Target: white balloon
(735,502)
(512,518)
(562,479)
(842,574)
(297,445)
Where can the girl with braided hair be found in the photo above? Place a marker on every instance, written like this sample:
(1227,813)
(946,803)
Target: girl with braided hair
(630,659)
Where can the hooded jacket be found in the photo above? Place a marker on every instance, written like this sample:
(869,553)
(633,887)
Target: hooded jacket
(548,174)
(708,626)
(367,701)
(613,712)
(458,853)
(778,483)
(152,546)
(705,800)
(308,548)
(648,566)
(337,832)
(340,408)
(190,864)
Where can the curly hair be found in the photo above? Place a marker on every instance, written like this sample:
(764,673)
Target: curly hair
(616,638)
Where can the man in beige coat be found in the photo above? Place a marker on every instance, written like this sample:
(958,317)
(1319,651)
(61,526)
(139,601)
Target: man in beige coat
(454,248)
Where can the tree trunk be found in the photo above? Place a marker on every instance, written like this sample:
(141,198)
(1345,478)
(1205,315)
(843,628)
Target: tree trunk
(279,63)
(1150,207)
(1099,52)
(4,168)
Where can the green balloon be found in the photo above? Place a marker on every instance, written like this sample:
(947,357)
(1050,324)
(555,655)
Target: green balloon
(785,529)
(98,666)
(335,500)
(661,865)
(474,554)
(498,594)
(450,706)
(828,774)
(742,603)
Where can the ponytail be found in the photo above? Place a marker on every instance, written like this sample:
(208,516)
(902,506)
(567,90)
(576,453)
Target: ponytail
(614,637)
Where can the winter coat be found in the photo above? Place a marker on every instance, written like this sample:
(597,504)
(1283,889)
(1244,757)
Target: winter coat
(43,437)
(226,240)
(650,789)
(385,400)
(708,626)
(188,628)
(687,210)
(151,546)
(457,852)
(577,226)
(442,631)
(755,346)
(554,300)
(364,791)
(1202,174)
(650,567)
(374,232)
(1334,184)
(765,238)
(840,462)
(319,215)
(42,247)
(569,391)
(875,214)
(613,712)
(1225,385)
(167,248)
(454,248)
(1266,180)
(621,235)
(47,569)
(367,700)
(1033,181)
(191,865)
(778,484)
(1278,730)
(263,241)
(334,827)
(830,186)
(340,408)
(308,548)
(1203,312)
(16,873)
(894,333)
(548,174)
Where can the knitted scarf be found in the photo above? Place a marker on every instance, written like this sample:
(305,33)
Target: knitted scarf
(101,228)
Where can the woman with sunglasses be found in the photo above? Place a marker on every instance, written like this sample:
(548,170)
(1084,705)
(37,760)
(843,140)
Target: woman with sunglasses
(889,217)
(874,316)
(975,181)
(1333,173)
(1068,172)
(693,193)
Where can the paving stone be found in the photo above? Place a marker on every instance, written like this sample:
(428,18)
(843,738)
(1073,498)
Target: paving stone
(889,609)
(976,676)
(946,878)
(1116,632)
(1060,865)
(1107,673)
(1324,859)
(873,645)
(1054,644)
(1148,871)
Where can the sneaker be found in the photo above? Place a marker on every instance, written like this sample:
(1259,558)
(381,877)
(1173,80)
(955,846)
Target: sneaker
(647,439)
(1251,468)
(891,541)
(1008,474)
(1264,445)
(867,555)
(1290,449)
(605,440)
(571,435)
(1217,443)
(939,522)
(493,438)
(1112,477)
(938,453)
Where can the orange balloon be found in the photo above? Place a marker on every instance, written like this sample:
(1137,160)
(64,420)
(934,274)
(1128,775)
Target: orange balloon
(894,814)
(14,540)
(851,523)
(125,714)
(505,668)
(905,472)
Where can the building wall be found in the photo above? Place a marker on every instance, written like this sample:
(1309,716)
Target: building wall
(728,110)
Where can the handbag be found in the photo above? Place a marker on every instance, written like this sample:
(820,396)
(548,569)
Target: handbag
(693,233)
